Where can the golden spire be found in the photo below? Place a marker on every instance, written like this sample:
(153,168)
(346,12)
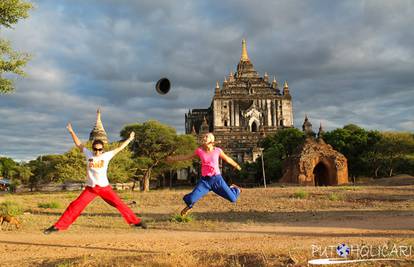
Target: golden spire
(285,85)
(217,85)
(98,111)
(244,56)
(98,123)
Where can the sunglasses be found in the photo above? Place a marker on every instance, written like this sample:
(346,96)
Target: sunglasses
(97,149)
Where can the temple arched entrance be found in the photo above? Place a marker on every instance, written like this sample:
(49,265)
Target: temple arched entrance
(254,127)
(325,173)
(321,175)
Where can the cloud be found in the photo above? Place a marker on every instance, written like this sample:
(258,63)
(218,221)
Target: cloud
(346,62)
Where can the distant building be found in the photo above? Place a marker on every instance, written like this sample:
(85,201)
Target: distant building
(243,110)
(98,131)
(4,184)
(315,162)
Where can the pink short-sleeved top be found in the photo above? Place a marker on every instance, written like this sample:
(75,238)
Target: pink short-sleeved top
(209,161)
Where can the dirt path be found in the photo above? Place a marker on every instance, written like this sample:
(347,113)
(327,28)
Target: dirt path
(290,242)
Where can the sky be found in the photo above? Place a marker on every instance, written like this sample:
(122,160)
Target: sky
(345,62)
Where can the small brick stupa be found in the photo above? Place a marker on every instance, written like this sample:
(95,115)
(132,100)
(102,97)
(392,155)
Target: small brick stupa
(315,163)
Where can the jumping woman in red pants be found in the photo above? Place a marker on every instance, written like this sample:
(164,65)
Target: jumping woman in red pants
(97,185)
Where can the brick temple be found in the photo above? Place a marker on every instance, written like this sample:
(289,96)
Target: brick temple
(315,162)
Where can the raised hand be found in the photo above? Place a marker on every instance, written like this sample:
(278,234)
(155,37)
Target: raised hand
(69,127)
(132,135)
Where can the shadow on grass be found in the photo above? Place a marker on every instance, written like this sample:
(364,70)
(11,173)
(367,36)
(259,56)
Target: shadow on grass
(381,197)
(88,214)
(264,216)
(287,216)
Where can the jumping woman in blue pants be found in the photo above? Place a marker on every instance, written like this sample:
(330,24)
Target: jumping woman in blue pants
(211,179)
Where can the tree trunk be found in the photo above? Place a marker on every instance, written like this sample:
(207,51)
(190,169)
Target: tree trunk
(376,172)
(147,178)
(390,174)
(163,180)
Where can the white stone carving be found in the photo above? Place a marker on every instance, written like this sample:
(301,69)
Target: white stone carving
(252,115)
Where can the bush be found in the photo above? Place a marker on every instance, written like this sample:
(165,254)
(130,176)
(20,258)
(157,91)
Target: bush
(179,218)
(10,208)
(13,186)
(349,187)
(301,194)
(335,197)
(49,205)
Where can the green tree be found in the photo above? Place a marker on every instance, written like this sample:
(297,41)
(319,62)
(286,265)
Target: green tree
(352,141)
(44,170)
(122,167)
(11,11)
(7,166)
(23,173)
(371,152)
(71,167)
(153,143)
(185,144)
(372,157)
(277,148)
(17,173)
(406,165)
(395,147)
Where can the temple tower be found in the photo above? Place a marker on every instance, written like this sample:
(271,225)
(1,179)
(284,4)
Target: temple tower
(244,109)
(98,131)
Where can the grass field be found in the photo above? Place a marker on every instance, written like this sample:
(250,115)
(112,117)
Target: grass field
(276,226)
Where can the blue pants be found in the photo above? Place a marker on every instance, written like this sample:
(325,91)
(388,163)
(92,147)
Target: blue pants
(214,183)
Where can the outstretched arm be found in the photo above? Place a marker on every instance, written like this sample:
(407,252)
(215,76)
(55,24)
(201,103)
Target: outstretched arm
(172,159)
(125,143)
(230,161)
(74,136)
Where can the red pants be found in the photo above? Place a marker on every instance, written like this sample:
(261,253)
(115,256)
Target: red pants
(75,208)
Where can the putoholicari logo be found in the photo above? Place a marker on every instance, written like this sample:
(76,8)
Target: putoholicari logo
(343,250)
(359,253)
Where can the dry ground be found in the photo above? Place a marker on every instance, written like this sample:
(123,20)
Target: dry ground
(266,227)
